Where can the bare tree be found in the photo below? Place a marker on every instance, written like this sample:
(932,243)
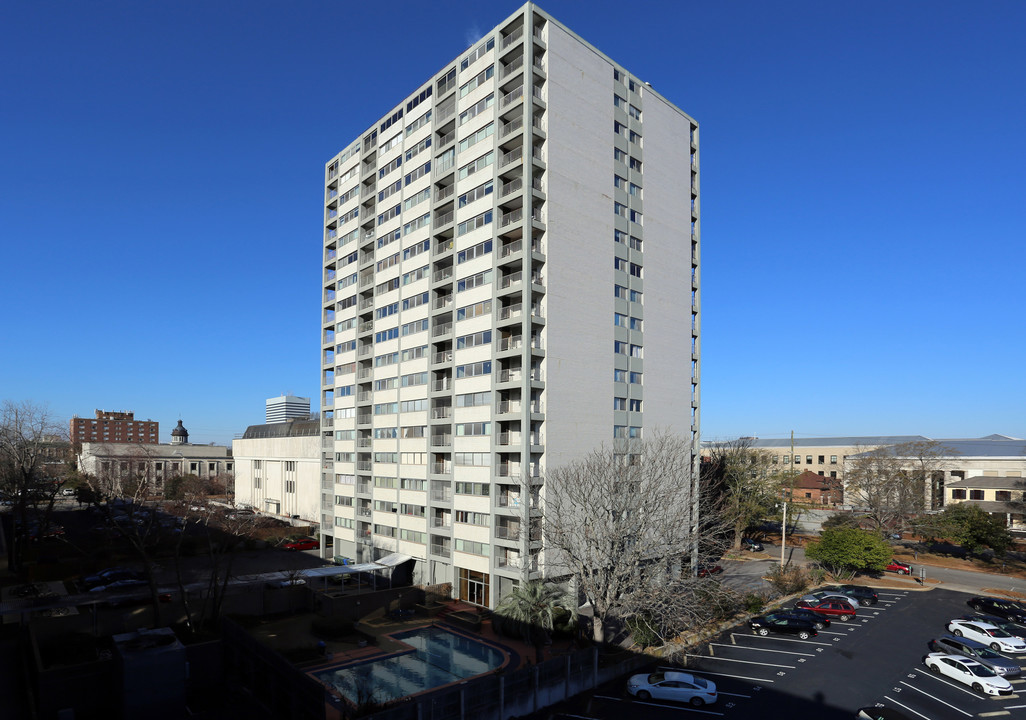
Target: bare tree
(28,433)
(893,483)
(740,485)
(620,516)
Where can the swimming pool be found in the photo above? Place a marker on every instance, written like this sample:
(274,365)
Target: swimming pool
(437,657)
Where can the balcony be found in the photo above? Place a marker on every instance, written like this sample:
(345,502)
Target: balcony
(507,281)
(443,245)
(442,522)
(507,532)
(511,127)
(508,188)
(512,67)
(510,312)
(440,385)
(440,551)
(445,140)
(441,440)
(510,343)
(514,216)
(511,97)
(442,357)
(443,193)
(512,37)
(441,468)
(511,248)
(443,274)
(505,407)
(443,329)
(511,157)
(507,439)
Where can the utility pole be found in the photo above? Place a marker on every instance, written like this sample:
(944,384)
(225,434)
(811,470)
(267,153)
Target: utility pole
(783,518)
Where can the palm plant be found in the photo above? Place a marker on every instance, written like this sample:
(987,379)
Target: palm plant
(530,608)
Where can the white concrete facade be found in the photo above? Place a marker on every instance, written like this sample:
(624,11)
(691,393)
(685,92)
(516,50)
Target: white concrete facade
(530,296)
(279,475)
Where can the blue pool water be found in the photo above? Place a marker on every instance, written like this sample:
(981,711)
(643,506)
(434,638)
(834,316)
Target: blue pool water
(438,657)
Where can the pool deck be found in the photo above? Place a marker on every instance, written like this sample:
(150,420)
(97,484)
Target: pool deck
(295,632)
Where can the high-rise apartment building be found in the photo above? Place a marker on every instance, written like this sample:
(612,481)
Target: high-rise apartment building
(286,407)
(511,280)
(114,427)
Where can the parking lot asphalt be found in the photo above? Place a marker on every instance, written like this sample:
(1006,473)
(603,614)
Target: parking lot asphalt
(875,658)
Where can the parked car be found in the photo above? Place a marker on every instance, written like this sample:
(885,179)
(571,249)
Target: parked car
(752,545)
(1007,625)
(979,677)
(843,611)
(708,569)
(827,595)
(987,634)
(820,622)
(670,685)
(107,576)
(998,662)
(1007,609)
(783,623)
(899,567)
(881,713)
(287,582)
(864,595)
(303,544)
(123,584)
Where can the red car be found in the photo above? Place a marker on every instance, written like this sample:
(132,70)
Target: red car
(709,569)
(303,544)
(835,608)
(901,568)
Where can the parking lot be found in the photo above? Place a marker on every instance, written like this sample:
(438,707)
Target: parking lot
(877,657)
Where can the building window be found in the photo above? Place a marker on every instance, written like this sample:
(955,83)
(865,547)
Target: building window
(808,459)
(193,467)
(833,459)
(1003,495)
(822,458)
(212,467)
(975,494)
(958,494)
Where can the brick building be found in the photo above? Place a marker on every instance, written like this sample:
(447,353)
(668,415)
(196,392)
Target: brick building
(114,427)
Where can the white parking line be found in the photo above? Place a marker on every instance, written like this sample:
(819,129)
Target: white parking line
(806,642)
(739,677)
(743,647)
(913,687)
(906,707)
(957,687)
(749,662)
(659,705)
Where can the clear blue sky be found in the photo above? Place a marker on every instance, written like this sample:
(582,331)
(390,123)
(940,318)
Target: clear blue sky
(864,201)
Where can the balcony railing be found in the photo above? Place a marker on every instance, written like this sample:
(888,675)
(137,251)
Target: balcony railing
(441,384)
(505,406)
(511,217)
(441,468)
(440,413)
(444,192)
(510,280)
(511,157)
(511,187)
(441,440)
(507,532)
(511,248)
(510,343)
(511,127)
(510,312)
(443,329)
(442,357)
(445,140)
(440,550)
(443,302)
(512,37)
(442,495)
(511,97)
(446,112)
(513,66)
(442,522)
(442,274)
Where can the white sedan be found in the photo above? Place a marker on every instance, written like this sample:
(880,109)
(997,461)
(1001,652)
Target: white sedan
(679,686)
(987,634)
(979,677)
